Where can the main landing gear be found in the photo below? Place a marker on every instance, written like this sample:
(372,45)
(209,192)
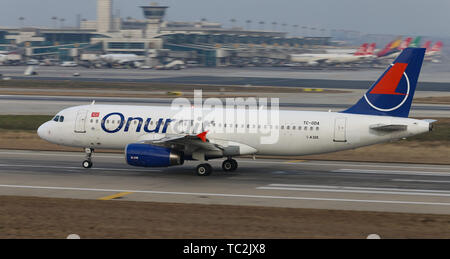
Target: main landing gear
(204,169)
(228,165)
(88,162)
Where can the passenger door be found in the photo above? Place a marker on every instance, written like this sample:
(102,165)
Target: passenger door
(340,125)
(80,121)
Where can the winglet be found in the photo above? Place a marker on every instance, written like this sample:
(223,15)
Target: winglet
(202,135)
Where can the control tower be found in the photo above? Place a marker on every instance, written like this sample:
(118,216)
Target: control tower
(104,15)
(154,15)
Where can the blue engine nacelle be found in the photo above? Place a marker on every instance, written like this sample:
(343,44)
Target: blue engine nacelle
(146,155)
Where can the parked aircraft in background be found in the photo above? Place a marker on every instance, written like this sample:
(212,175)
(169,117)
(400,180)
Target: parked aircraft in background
(416,42)
(121,58)
(405,43)
(436,49)
(427,46)
(331,58)
(390,48)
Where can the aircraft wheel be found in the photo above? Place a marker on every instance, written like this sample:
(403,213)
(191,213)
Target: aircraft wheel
(229,165)
(87,164)
(204,169)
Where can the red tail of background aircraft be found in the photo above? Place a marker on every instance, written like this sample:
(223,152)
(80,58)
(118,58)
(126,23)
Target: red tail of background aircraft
(390,47)
(371,49)
(437,46)
(427,45)
(405,43)
(361,50)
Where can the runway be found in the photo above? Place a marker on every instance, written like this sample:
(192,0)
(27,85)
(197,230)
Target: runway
(432,78)
(49,105)
(413,188)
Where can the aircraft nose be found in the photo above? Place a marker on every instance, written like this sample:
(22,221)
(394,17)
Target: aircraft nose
(42,131)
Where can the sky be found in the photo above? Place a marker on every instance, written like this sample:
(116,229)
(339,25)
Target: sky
(402,17)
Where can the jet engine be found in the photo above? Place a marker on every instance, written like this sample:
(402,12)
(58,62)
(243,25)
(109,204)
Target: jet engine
(145,155)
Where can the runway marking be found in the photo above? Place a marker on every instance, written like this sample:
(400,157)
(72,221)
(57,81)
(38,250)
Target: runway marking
(354,187)
(348,164)
(396,172)
(114,196)
(229,195)
(348,189)
(294,161)
(419,181)
(343,163)
(80,168)
(81,154)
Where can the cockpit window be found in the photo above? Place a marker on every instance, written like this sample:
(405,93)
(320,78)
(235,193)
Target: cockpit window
(61,118)
(56,118)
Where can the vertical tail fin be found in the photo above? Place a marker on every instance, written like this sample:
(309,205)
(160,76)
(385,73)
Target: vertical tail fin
(405,43)
(371,49)
(391,46)
(427,45)
(392,93)
(361,50)
(416,42)
(437,46)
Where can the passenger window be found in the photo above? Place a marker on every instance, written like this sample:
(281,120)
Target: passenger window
(282,126)
(299,127)
(287,127)
(306,128)
(293,127)
(317,128)
(96,121)
(311,128)
(92,120)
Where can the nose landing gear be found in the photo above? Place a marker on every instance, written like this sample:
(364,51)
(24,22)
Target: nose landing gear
(88,162)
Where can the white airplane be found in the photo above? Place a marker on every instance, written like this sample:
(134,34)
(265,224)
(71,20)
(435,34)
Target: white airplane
(121,58)
(149,137)
(364,52)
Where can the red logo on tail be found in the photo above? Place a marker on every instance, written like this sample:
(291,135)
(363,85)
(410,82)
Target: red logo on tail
(388,84)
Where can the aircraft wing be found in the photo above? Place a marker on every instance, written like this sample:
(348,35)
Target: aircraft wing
(198,145)
(180,142)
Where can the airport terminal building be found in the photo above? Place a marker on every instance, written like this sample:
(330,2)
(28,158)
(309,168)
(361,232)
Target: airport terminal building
(159,41)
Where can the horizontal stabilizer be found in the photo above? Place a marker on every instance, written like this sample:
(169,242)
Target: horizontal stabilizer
(389,127)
